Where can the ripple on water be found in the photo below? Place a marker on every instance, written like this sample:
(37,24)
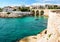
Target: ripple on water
(12,29)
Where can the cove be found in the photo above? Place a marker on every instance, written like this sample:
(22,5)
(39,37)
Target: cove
(12,29)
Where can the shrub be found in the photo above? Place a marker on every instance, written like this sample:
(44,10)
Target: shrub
(14,10)
(8,13)
(49,35)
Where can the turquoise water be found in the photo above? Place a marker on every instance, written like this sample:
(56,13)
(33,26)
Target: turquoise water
(12,29)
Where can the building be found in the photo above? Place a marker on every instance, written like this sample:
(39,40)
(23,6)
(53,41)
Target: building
(7,9)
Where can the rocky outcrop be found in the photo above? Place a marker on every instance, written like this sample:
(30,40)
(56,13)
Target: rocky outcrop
(4,14)
(14,15)
(29,39)
(33,38)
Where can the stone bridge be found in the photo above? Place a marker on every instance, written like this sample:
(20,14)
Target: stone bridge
(46,11)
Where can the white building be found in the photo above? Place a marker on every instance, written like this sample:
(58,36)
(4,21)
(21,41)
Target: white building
(7,9)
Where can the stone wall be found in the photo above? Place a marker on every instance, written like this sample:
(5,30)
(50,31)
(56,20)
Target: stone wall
(46,12)
(53,22)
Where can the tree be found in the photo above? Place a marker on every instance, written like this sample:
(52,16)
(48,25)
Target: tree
(19,8)
(25,9)
(14,10)
(55,6)
(8,13)
(1,10)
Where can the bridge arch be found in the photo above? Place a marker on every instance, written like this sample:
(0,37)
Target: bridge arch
(33,12)
(37,13)
(42,12)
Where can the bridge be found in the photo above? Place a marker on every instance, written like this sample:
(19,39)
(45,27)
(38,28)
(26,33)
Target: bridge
(46,11)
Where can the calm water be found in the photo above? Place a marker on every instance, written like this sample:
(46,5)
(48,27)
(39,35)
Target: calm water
(12,29)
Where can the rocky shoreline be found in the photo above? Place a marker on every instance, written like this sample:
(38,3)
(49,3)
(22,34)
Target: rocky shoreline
(33,38)
(11,16)
(14,14)
(37,37)
(51,34)
(17,14)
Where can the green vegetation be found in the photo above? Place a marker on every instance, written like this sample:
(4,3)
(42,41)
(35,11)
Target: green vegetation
(49,35)
(53,7)
(8,13)
(58,7)
(19,8)
(1,9)
(23,9)
(14,10)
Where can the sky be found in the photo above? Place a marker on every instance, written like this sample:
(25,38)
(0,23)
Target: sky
(26,2)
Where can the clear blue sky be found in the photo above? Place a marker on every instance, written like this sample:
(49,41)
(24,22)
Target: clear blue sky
(25,2)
